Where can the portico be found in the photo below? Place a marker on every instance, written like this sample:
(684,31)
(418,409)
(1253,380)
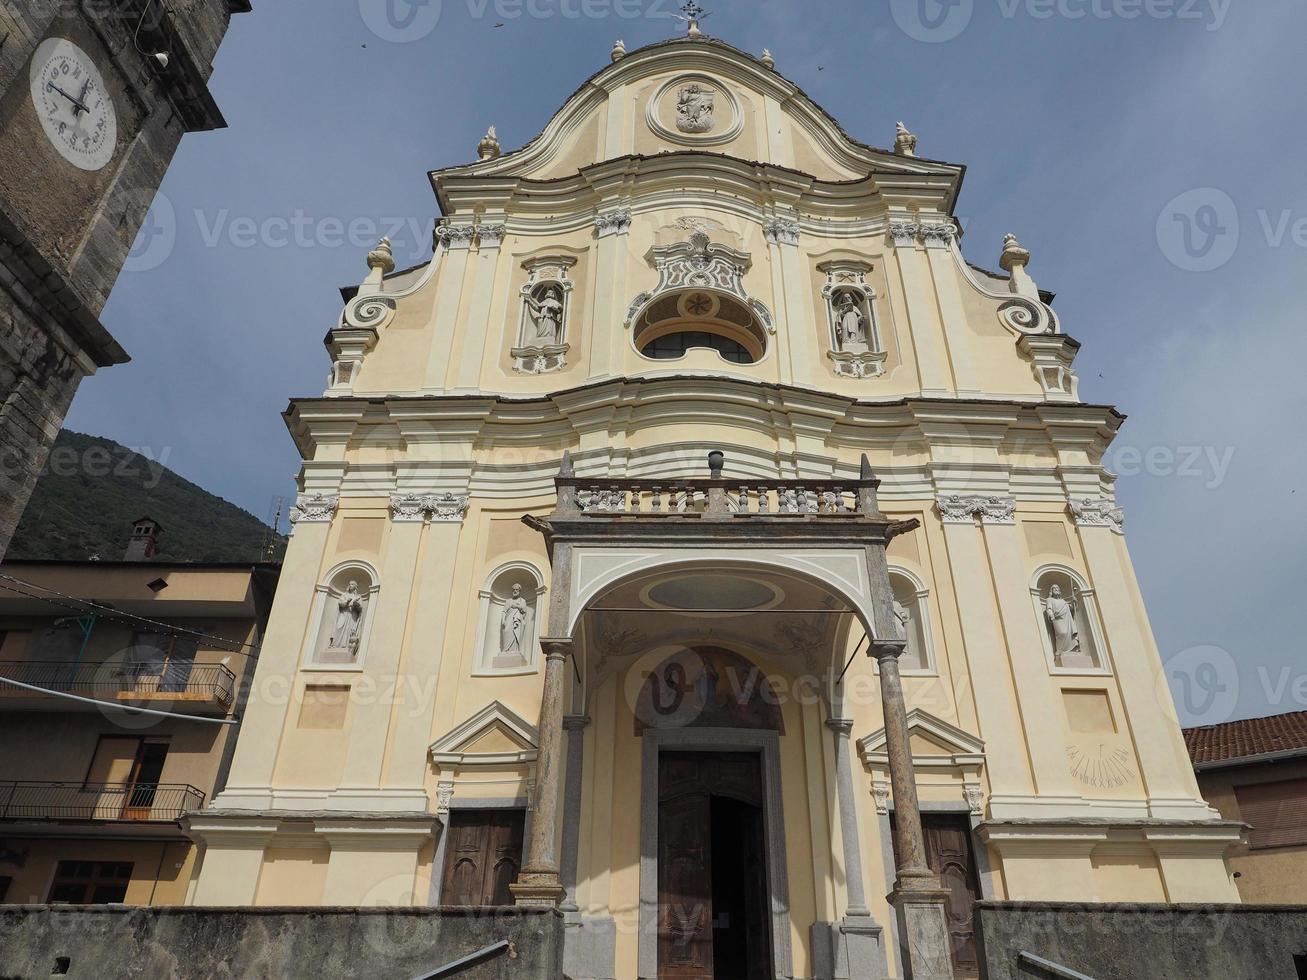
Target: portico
(719,608)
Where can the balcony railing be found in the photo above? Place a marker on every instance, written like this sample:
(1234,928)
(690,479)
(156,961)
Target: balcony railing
(727,498)
(130,802)
(117,681)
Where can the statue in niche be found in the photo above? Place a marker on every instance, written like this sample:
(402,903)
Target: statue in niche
(1061,618)
(349,617)
(512,625)
(850,324)
(902,617)
(547,315)
(694,107)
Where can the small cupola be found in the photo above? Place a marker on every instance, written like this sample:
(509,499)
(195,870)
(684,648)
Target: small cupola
(144,539)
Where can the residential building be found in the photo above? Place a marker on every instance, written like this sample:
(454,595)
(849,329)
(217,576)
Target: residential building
(91,796)
(1255,771)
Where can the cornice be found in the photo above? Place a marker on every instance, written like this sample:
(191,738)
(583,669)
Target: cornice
(650,182)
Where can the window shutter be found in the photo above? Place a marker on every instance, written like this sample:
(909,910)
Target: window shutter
(1276,811)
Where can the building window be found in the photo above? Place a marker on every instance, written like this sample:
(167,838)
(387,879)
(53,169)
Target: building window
(164,657)
(124,776)
(1277,812)
(673,345)
(483,856)
(671,326)
(90,882)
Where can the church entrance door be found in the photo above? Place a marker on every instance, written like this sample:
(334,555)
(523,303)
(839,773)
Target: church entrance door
(713,905)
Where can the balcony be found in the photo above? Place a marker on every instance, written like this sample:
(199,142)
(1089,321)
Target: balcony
(208,688)
(97,802)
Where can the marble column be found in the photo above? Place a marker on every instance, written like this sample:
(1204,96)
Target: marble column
(848,818)
(540,883)
(918,897)
(575,726)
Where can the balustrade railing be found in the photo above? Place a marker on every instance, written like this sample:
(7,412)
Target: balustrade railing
(116,679)
(135,802)
(740,498)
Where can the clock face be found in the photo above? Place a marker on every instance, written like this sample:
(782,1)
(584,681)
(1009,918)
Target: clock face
(75,109)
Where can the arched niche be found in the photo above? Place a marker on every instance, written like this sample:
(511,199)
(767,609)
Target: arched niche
(343,609)
(1067,611)
(912,611)
(707,687)
(854,337)
(510,610)
(542,333)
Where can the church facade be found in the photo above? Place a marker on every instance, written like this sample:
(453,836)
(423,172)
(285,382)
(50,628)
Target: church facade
(701,545)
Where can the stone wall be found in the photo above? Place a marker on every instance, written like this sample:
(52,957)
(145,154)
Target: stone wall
(99,942)
(1143,942)
(38,376)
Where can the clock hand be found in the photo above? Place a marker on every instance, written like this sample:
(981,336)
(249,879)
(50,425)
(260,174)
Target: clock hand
(86,85)
(77,103)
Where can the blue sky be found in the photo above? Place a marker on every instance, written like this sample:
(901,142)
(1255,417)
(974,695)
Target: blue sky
(1148,152)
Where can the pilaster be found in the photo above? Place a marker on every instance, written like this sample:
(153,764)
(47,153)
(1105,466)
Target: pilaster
(987,664)
(923,318)
(457,241)
(475,326)
(233,858)
(1166,769)
(1038,697)
(249,782)
(361,778)
(954,322)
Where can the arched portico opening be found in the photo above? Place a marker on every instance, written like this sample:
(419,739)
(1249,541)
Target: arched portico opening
(772,553)
(702,673)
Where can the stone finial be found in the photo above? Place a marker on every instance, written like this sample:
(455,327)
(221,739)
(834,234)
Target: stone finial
(905,143)
(716,460)
(768,61)
(619,50)
(565,468)
(382,258)
(864,469)
(1013,261)
(489,147)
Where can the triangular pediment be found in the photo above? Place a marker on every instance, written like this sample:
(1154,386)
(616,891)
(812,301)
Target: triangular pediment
(495,735)
(934,741)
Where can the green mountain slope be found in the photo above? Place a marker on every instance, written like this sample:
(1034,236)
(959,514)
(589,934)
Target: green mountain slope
(93,489)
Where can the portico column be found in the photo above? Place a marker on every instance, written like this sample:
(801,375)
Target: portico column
(539,882)
(575,726)
(848,818)
(918,897)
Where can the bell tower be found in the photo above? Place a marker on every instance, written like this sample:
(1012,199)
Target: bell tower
(95,96)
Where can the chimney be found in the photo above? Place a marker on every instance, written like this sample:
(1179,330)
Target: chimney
(145,536)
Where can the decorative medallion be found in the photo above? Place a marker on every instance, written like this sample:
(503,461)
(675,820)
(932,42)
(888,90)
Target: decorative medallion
(696,110)
(694,105)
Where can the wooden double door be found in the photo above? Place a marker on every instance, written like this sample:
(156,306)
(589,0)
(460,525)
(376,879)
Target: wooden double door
(713,904)
(950,855)
(483,856)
